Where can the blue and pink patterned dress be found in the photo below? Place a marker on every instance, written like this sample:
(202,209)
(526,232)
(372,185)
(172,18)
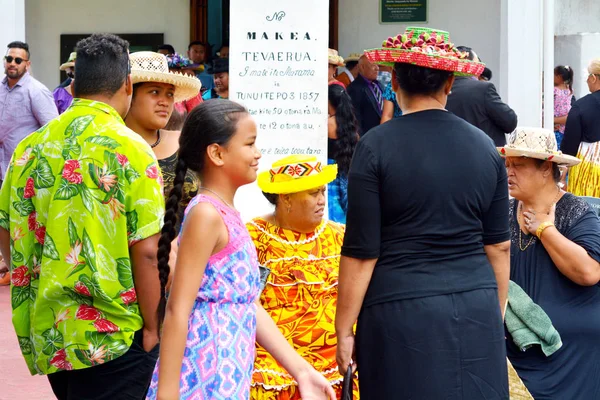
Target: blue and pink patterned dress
(219,353)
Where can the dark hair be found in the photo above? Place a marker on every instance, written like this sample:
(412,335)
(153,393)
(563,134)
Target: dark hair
(555,169)
(351,64)
(211,122)
(272,198)
(466,49)
(420,80)
(567,74)
(102,65)
(347,127)
(487,74)
(167,47)
(197,43)
(19,45)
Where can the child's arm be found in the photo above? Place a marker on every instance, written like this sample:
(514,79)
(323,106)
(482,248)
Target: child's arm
(204,233)
(313,385)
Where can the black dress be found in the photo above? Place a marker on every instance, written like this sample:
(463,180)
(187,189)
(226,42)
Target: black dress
(573,372)
(426,192)
(190,187)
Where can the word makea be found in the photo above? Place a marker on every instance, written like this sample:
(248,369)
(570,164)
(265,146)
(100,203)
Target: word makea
(277,36)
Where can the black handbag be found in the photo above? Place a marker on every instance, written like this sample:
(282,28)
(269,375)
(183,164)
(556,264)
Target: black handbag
(347,385)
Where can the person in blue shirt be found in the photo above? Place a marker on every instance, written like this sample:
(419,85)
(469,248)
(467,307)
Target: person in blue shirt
(219,69)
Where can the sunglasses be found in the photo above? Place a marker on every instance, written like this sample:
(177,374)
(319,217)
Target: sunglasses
(17,60)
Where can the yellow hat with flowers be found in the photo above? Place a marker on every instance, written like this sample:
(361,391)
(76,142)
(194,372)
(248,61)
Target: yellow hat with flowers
(296,173)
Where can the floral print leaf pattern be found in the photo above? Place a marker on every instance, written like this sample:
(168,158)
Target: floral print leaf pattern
(88,251)
(25,344)
(73,237)
(87,198)
(124,272)
(49,249)
(103,141)
(42,175)
(66,190)
(4,220)
(54,341)
(68,219)
(78,125)
(18,295)
(132,221)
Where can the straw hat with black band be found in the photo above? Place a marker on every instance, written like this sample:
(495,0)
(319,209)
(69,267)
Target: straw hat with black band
(147,66)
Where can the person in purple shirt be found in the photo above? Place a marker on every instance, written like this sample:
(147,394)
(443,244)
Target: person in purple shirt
(25,103)
(62,94)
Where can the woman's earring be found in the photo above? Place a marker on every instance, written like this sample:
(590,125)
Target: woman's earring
(289,209)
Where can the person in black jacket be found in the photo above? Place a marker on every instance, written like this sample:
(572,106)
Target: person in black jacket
(367,95)
(478,103)
(583,121)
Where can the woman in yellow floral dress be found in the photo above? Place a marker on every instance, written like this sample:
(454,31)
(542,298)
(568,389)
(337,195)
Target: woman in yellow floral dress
(302,251)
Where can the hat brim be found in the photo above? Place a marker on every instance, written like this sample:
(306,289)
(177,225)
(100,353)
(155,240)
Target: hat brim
(186,87)
(327,175)
(66,65)
(391,56)
(561,159)
(337,61)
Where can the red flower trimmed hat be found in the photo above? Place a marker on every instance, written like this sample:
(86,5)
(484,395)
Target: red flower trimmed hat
(425,47)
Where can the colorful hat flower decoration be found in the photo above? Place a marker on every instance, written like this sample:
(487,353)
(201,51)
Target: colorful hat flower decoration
(296,173)
(425,47)
(177,61)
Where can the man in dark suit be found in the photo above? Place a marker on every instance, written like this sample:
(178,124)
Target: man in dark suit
(367,95)
(478,103)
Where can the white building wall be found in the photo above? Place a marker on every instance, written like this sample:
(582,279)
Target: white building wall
(471,23)
(576,16)
(47,20)
(12,22)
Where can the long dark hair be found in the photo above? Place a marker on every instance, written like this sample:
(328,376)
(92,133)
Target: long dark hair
(211,122)
(347,127)
(566,73)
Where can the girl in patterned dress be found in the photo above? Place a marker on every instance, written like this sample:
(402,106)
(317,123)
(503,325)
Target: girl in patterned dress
(563,92)
(213,317)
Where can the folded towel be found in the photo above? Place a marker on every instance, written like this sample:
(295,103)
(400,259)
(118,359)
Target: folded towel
(528,324)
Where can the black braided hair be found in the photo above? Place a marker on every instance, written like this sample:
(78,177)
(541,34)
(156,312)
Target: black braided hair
(347,127)
(212,122)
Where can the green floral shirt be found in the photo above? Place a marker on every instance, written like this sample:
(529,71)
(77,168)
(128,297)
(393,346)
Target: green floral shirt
(78,193)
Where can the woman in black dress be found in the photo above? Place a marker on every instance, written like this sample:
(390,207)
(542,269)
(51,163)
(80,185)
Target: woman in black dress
(425,261)
(555,259)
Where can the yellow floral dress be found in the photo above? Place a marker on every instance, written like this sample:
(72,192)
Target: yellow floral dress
(301,297)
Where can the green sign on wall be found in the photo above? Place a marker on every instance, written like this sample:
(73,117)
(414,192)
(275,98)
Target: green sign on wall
(398,11)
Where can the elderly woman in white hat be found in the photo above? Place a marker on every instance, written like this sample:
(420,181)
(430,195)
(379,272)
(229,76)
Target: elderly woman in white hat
(555,259)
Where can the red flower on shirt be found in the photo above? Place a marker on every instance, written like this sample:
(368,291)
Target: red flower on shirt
(40,234)
(152,172)
(122,159)
(60,360)
(129,296)
(31,221)
(69,172)
(20,276)
(82,289)
(105,326)
(87,313)
(29,189)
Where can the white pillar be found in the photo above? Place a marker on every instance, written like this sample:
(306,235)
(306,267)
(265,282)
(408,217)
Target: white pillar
(12,22)
(521,59)
(548,64)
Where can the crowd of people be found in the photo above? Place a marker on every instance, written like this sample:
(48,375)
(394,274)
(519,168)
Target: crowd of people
(457,260)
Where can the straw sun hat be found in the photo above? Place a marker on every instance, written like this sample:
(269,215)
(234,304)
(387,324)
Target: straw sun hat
(295,174)
(147,66)
(70,62)
(536,143)
(425,47)
(335,58)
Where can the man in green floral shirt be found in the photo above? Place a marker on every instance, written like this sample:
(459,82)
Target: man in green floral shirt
(80,211)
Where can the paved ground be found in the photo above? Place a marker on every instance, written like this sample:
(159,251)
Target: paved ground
(15,381)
